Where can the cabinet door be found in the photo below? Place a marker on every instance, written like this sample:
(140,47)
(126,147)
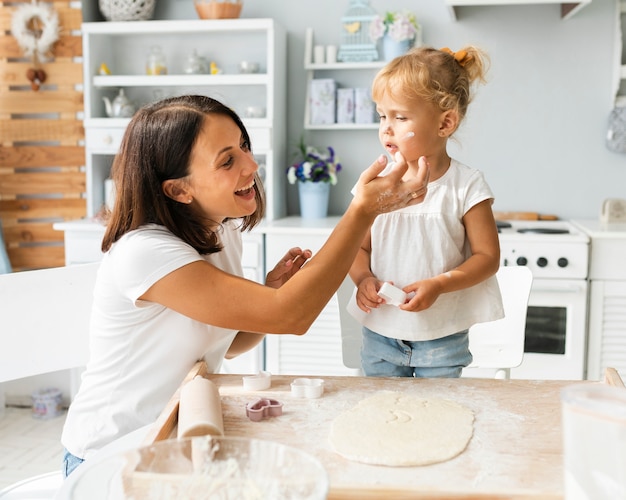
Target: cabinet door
(318,352)
(607,328)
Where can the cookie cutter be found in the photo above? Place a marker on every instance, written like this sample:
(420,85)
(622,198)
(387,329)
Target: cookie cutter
(258,382)
(307,388)
(263,408)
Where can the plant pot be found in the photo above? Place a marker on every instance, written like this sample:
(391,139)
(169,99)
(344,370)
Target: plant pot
(393,49)
(313,199)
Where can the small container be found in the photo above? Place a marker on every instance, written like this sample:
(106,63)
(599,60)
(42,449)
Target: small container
(47,403)
(248,67)
(594,441)
(155,64)
(196,65)
(319,52)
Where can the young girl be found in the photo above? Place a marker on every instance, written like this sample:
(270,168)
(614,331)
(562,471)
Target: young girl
(444,252)
(170,290)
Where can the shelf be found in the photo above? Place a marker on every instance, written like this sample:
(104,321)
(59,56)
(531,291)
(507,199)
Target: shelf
(340,66)
(568,9)
(188,26)
(177,80)
(343,126)
(122,123)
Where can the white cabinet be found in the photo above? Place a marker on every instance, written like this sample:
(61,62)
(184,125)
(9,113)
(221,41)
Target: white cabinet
(607,298)
(318,352)
(568,9)
(124,48)
(349,75)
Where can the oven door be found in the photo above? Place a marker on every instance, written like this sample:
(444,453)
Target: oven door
(556,326)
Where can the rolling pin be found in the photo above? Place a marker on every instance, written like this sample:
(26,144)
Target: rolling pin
(200,409)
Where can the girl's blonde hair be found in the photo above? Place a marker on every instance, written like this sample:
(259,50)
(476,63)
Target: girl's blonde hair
(438,76)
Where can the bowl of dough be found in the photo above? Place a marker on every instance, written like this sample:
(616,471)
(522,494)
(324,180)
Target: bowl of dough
(205,467)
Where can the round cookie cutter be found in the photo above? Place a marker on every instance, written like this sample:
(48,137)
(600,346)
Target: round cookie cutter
(258,382)
(307,388)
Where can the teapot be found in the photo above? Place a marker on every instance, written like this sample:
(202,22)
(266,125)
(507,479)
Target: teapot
(121,107)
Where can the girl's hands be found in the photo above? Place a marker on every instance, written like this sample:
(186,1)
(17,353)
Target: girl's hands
(367,294)
(385,194)
(289,265)
(426,292)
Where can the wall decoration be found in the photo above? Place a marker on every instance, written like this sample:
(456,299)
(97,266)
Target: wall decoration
(36,28)
(356,44)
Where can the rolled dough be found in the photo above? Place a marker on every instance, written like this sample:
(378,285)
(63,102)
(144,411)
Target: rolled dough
(393,428)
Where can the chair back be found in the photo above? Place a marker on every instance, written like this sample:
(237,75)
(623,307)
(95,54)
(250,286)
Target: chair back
(45,320)
(497,346)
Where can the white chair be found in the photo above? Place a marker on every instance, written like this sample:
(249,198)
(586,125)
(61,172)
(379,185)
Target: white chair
(45,328)
(496,346)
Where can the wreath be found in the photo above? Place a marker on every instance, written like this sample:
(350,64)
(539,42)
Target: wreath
(36,29)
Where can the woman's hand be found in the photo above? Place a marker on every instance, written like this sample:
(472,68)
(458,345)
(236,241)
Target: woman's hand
(378,195)
(289,265)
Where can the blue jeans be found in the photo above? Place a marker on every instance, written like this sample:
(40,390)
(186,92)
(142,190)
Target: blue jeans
(70,462)
(443,358)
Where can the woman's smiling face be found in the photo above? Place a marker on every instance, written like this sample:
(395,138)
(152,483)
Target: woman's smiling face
(222,171)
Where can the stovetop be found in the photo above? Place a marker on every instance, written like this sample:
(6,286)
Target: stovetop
(548,231)
(551,249)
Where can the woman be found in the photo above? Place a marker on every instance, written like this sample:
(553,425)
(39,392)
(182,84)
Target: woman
(170,289)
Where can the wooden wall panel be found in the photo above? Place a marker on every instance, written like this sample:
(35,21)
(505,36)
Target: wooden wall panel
(42,158)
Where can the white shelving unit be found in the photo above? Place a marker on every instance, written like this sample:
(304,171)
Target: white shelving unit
(568,9)
(357,72)
(124,48)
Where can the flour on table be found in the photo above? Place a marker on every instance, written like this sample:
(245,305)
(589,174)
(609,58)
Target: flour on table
(393,428)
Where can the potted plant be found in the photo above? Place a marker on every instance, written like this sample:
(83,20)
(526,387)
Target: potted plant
(314,172)
(398,30)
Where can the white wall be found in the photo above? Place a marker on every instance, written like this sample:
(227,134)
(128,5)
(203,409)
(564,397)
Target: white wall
(537,129)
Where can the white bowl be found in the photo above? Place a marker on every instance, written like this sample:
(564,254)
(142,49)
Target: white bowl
(206,467)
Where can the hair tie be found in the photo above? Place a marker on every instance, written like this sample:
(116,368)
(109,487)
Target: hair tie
(462,57)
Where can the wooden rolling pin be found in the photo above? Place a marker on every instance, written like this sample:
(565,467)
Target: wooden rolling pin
(200,409)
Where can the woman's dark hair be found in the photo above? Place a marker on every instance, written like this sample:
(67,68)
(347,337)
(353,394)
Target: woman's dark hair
(157,146)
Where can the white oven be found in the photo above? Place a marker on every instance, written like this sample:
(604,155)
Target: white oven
(556,324)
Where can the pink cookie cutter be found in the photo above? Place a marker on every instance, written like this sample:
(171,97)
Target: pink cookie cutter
(263,408)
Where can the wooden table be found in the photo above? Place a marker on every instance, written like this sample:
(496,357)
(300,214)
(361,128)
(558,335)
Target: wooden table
(515,452)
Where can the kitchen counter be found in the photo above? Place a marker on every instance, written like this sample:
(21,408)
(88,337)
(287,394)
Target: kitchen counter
(515,452)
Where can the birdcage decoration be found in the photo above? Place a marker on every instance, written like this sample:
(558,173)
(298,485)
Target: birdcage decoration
(356,44)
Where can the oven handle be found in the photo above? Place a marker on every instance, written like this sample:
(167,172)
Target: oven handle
(558,287)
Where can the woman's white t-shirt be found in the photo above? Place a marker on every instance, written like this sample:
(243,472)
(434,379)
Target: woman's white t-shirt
(141,351)
(425,240)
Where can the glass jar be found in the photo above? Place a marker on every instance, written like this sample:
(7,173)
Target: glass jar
(156,65)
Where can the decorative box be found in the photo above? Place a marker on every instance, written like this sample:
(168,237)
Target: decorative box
(345,105)
(364,109)
(322,103)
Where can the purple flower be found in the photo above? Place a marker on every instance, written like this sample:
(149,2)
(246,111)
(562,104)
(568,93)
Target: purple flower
(315,167)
